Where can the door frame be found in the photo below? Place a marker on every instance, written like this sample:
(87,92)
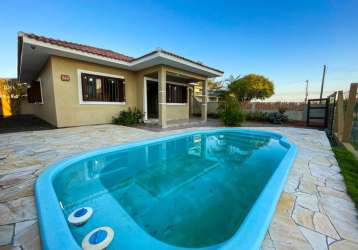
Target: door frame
(145,107)
(145,104)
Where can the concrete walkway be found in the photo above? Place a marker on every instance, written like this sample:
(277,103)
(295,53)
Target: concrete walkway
(314,211)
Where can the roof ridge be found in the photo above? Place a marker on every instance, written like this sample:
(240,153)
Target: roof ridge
(188,59)
(106,52)
(62,43)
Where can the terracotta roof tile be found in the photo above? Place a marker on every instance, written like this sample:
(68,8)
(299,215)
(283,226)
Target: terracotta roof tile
(81,47)
(104,52)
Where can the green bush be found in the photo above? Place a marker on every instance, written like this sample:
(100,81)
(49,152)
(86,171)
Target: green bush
(128,117)
(278,117)
(257,116)
(229,111)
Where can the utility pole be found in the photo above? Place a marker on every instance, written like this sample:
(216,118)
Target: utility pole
(306,95)
(323,78)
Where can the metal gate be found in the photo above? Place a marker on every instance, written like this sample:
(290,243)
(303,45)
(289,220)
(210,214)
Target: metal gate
(320,112)
(331,105)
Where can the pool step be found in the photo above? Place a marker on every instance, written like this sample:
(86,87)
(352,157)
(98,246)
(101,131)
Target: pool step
(188,181)
(172,173)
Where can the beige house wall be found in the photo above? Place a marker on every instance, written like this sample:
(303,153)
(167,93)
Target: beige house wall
(62,106)
(46,110)
(26,108)
(69,111)
(177,112)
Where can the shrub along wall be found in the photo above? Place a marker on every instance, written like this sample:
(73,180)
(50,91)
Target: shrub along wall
(296,111)
(289,106)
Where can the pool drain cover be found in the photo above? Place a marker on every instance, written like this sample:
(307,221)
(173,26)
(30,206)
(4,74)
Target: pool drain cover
(98,238)
(80,216)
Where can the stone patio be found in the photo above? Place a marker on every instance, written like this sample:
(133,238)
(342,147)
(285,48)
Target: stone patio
(314,211)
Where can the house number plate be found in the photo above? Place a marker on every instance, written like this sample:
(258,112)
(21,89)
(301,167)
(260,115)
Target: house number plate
(65,78)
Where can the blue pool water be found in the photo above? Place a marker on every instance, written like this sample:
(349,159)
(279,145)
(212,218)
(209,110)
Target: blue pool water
(191,191)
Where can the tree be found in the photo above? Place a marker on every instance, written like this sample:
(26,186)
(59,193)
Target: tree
(230,79)
(214,85)
(250,87)
(16,92)
(229,110)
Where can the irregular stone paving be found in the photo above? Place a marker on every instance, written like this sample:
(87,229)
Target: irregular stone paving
(314,211)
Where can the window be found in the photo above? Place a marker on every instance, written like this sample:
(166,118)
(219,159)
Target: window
(96,88)
(34,94)
(176,93)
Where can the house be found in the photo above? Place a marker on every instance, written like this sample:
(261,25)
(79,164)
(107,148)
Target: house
(212,99)
(5,107)
(74,84)
(11,99)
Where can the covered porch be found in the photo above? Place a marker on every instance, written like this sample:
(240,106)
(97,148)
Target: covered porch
(168,96)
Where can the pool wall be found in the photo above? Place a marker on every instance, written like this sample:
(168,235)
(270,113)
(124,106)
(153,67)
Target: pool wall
(55,232)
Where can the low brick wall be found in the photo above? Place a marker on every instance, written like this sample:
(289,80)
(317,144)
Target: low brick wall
(294,111)
(289,106)
(291,114)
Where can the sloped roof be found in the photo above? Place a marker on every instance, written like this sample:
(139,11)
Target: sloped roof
(34,50)
(81,47)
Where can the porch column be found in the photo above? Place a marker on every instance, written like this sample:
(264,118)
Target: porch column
(162,77)
(204,102)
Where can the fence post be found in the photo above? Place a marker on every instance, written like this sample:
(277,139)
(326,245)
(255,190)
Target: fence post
(339,118)
(348,116)
(253,107)
(308,113)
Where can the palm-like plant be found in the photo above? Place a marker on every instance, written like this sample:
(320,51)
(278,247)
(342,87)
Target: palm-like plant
(16,92)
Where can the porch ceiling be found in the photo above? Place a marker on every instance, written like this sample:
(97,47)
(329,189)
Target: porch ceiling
(174,77)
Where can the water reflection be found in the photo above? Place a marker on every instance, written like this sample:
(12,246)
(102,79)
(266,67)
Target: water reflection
(166,162)
(193,191)
(236,147)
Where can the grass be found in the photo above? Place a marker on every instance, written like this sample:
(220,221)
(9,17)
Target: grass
(349,167)
(355,144)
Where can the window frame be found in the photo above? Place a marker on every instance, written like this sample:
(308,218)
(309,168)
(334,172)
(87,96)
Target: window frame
(42,97)
(187,94)
(79,85)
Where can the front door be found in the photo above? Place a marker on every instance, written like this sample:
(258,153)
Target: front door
(152,100)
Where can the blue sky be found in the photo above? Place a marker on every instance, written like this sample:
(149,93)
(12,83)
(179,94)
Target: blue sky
(287,41)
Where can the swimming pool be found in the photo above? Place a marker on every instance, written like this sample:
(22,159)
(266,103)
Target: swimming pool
(214,189)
